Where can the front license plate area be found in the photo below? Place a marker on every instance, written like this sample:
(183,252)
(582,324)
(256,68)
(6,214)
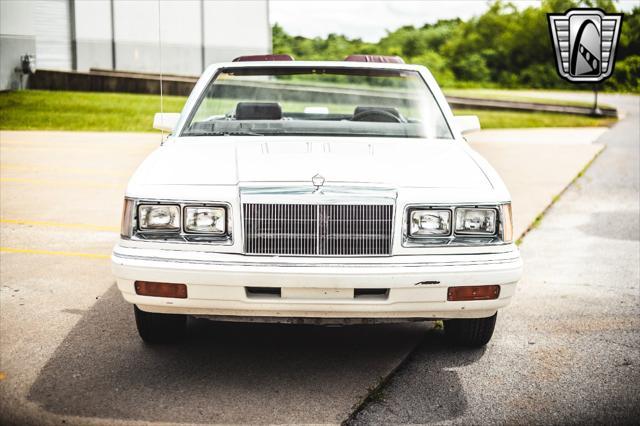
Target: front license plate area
(317,293)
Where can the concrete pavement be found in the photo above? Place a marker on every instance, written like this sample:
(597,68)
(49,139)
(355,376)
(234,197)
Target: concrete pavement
(567,350)
(68,346)
(536,164)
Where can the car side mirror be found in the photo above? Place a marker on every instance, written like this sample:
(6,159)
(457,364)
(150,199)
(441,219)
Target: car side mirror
(466,123)
(166,121)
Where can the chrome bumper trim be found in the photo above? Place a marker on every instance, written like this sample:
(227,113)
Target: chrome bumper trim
(515,258)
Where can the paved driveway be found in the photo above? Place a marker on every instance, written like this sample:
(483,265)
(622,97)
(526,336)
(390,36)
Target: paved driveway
(567,351)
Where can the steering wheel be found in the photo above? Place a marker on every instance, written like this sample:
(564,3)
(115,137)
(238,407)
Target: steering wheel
(378,115)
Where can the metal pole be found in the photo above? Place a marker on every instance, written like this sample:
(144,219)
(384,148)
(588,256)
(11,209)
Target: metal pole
(269,30)
(202,48)
(113,36)
(160,55)
(72,35)
(596,110)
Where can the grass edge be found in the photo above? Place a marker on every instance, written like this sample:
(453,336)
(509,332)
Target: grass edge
(375,393)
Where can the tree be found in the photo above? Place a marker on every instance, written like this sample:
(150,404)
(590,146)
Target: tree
(504,46)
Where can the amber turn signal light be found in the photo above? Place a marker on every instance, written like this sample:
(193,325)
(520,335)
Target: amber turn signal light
(476,292)
(146,288)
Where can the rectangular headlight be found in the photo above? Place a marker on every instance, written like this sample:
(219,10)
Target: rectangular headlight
(158,217)
(475,221)
(205,220)
(429,223)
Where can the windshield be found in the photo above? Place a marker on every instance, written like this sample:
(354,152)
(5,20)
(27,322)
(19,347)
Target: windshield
(308,101)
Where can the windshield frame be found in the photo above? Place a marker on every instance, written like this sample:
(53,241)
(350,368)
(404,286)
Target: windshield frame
(199,92)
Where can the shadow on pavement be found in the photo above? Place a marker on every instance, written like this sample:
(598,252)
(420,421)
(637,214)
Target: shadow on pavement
(222,372)
(425,389)
(619,225)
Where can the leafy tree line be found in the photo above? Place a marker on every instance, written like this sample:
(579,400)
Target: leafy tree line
(504,47)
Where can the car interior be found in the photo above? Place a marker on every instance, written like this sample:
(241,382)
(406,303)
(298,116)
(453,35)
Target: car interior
(273,111)
(261,118)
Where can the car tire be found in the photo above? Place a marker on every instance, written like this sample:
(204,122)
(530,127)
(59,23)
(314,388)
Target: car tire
(473,333)
(159,328)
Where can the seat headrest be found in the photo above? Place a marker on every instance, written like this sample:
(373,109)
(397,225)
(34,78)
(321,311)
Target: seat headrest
(391,110)
(258,111)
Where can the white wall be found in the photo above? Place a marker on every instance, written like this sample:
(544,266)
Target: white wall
(93,34)
(45,22)
(137,21)
(231,28)
(181,22)
(53,34)
(42,27)
(137,36)
(93,20)
(17,38)
(234,28)
(17,17)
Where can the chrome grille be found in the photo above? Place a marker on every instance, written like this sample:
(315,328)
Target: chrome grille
(318,229)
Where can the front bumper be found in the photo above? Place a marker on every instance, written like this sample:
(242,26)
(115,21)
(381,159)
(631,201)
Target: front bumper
(316,287)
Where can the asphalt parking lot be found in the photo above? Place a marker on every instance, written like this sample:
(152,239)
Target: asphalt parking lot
(69,350)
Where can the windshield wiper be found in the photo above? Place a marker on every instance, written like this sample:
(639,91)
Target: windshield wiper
(225,133)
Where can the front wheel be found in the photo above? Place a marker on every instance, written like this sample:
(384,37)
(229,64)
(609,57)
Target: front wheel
(474,332)
(159,328)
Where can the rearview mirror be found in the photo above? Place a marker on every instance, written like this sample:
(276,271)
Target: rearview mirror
(166,121)
(466,123)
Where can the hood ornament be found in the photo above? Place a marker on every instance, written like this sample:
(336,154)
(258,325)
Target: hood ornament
(318,181)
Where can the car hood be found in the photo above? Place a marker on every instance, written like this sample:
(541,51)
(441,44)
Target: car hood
(228,160)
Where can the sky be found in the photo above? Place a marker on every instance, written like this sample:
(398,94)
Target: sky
(369,20)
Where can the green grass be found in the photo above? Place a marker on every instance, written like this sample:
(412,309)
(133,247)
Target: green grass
(516,119)
(44,110)
(518,95)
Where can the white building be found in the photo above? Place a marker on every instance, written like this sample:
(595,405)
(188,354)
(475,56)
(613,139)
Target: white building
(126,35)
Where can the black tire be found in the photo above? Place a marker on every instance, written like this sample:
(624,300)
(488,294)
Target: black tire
(473,333)
(160,328)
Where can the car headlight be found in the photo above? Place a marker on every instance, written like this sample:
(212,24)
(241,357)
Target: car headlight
(429,223)
(475,221)
(158,217)
(205,220)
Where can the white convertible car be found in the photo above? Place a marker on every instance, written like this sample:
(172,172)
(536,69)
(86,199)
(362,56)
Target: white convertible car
(316,192)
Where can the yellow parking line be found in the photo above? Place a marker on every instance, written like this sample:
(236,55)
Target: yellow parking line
(64,170)
(54,253)
(60,224)
(57,182)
